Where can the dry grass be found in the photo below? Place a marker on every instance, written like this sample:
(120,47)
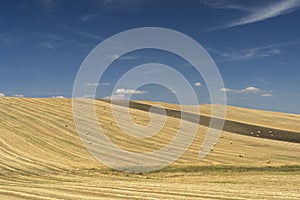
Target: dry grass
(42,157)
(276,120)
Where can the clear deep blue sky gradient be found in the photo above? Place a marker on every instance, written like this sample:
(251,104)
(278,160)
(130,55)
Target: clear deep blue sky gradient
(255,44)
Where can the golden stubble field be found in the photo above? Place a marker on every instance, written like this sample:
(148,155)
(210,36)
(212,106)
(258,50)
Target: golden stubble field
(42,157)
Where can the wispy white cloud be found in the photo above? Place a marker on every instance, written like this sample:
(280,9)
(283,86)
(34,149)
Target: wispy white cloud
(173,91)
(269,11)
(226,90)
(129,91)
(197,84)
(49,45)
(223,4)
(250,54)
(92,84)
(247,90)
(254,14)
(16,95)
(253,53)
(58,97)
(87,17)
(82,33)
(89,96)
(55,37)
(122,57)
(97,84)
(121,94)
(89,35)
(251,90)
(115,97)
(267,95)
(46,40)
(55,40)
(19,95)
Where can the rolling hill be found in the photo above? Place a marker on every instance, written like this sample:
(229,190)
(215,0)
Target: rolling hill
(42,156)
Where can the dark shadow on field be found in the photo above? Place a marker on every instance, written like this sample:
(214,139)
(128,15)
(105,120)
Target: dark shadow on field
(229,168)
(229,125)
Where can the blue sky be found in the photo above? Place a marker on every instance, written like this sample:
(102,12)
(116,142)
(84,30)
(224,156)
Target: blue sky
(255,45)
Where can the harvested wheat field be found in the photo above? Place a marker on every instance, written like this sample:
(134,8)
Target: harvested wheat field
(42,156)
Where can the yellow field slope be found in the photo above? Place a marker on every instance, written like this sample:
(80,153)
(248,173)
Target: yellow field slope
(42,157)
